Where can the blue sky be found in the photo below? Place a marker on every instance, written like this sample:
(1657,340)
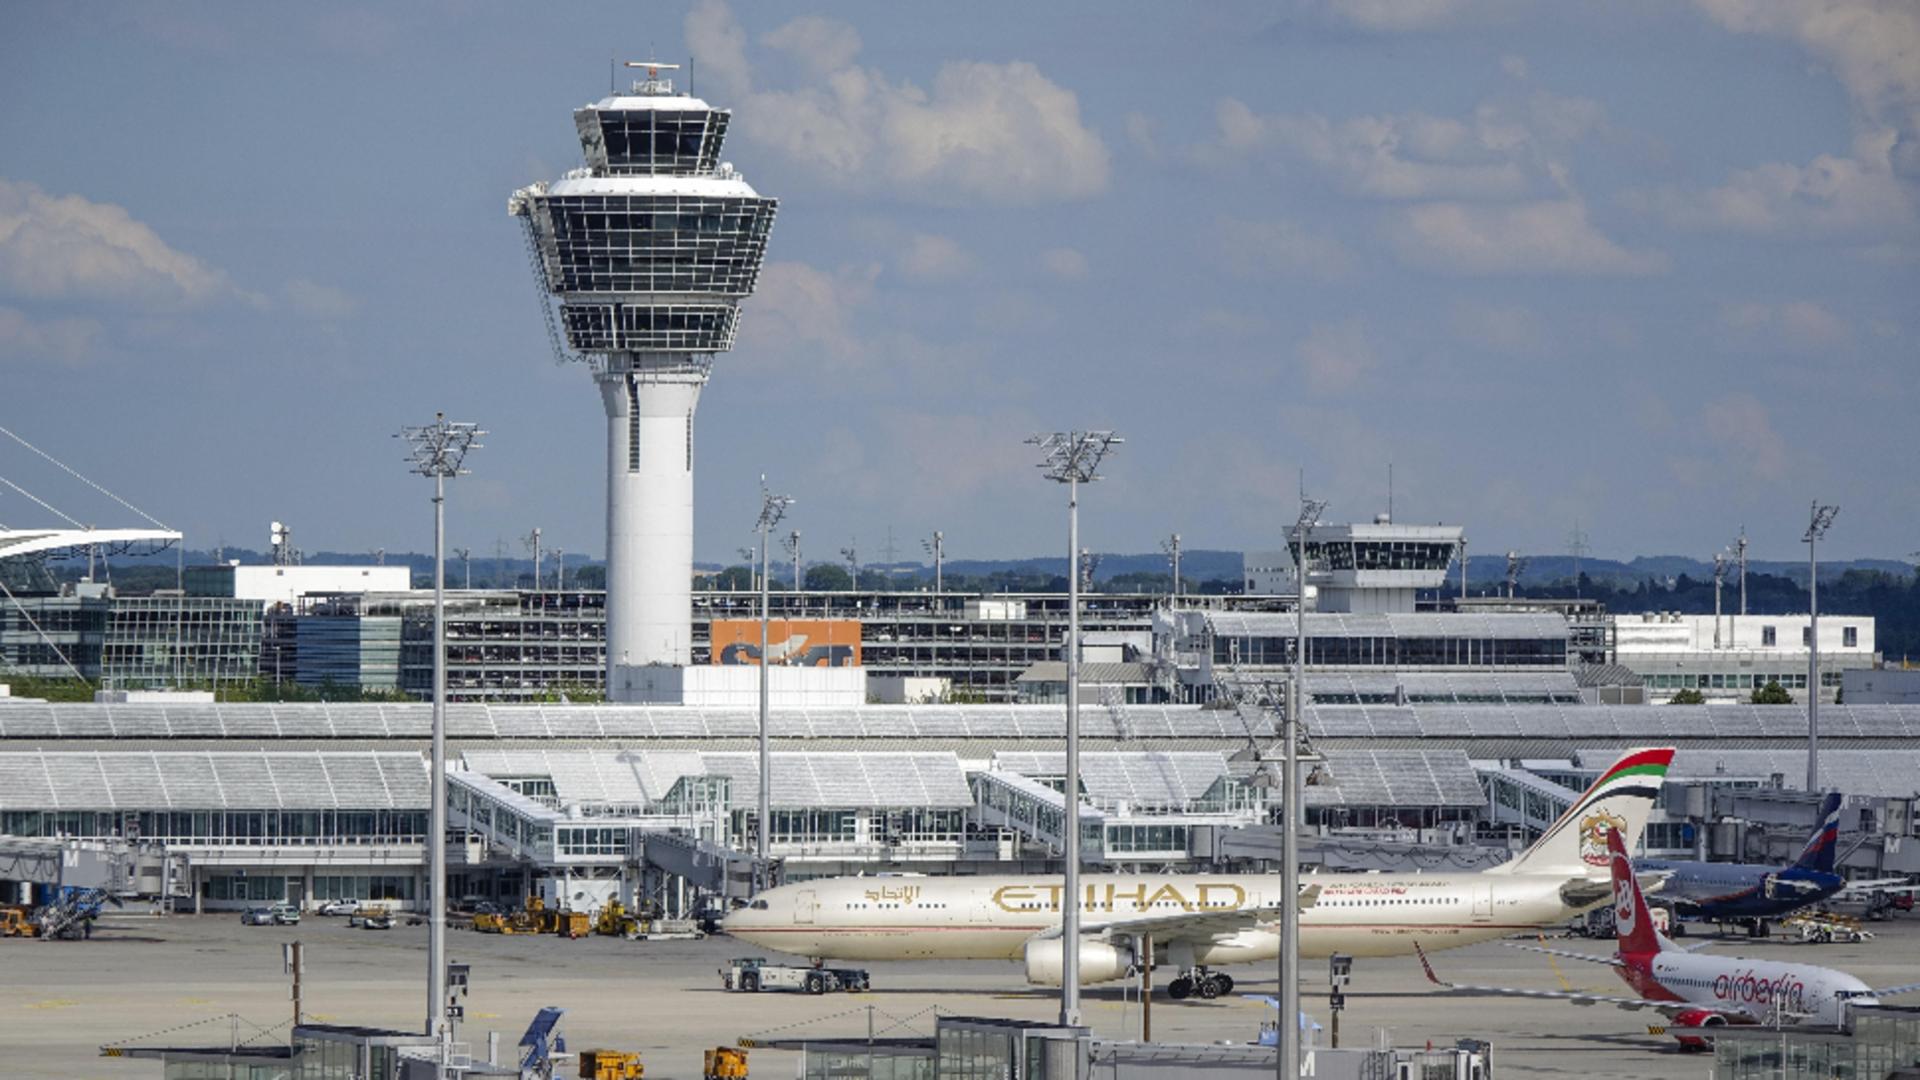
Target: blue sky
(1645,266)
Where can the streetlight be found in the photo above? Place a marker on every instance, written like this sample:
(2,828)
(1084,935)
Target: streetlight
(1817,525)
(793,548)
(1288,1062)
(937,547)
(1072,458)
(437,450)
(772,509)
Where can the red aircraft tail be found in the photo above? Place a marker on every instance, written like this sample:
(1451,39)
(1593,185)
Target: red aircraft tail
(1632,922)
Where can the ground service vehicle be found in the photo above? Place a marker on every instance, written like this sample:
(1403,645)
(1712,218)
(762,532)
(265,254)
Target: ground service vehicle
(380,921)
(725,1063)
(615,920)
(610,1065)
(15,922)
(367,911)
(750,974)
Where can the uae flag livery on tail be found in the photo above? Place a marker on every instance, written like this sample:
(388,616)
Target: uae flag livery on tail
(1618,801)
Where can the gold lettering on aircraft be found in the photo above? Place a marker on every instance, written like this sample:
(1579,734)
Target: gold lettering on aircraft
(901,894)
(1141,896)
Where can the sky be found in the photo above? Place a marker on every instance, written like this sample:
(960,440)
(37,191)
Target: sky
(1639,268)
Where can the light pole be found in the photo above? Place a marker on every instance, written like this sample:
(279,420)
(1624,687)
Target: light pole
(437,450)
(1072,458)
(937,547)
(793,547)
(1172,547)
(1287,1064)
(1817,524)
(772,509)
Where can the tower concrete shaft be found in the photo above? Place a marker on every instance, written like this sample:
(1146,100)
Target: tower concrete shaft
(649,517)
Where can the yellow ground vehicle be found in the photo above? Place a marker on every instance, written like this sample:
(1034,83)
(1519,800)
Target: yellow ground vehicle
(610,1065)
(616,921)
(572,924)
(15,923)
(725,1063)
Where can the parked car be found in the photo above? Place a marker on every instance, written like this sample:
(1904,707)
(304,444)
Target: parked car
(339,907)
(257,916)
(285,914)
(380,921)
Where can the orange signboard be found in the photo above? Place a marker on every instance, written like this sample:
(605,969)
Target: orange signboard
(794,642)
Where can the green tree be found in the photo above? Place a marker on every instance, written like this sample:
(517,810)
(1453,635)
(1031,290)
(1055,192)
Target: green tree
(1688,697)
(1771,694)
(734,579)
(827,577)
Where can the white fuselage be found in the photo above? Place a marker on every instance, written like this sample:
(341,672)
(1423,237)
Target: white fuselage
(967,918)
(1759,989)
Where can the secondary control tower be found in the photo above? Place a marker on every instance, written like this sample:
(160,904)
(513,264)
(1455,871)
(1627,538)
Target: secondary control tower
(650,248)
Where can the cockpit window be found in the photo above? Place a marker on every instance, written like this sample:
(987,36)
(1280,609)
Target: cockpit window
(758,905)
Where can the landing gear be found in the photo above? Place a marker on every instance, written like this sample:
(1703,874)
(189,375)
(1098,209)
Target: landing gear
(1200,983)
(1758,928)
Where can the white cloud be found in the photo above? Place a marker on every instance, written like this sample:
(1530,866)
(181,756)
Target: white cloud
(1395,15)
(1829,195)
(1512,329)
(68,247)
(317,300)
(1514,65)
(67,341)
(1551,237)
(930,256)
(1796,324)
(1505,150)
(1741,424)
(802,310)
(1064,262)
(982,131)
(1254,248)
(1335,356)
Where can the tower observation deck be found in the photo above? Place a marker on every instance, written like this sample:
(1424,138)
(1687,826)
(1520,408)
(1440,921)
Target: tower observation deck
(649,248)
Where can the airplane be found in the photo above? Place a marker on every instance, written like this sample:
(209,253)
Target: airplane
(1198,921)
(1696,991)
(1752,893)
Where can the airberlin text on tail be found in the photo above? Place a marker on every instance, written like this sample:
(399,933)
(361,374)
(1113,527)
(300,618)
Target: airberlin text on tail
(1632,923)
(1618,802)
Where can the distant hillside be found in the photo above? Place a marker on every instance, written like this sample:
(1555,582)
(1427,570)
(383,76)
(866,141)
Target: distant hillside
(1546,569)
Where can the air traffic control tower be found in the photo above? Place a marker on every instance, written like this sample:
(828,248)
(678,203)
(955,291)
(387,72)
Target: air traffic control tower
(650,248)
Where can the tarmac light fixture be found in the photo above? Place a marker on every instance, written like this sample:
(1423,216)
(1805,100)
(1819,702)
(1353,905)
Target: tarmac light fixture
(1817,525)
(1287,1061)
(772,509)
(1072,458)
(438,450)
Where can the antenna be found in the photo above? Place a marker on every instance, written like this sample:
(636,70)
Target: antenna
(1171,546)
(466,564)
(1577,547)
(852,555)
(937,547)
(1389,491)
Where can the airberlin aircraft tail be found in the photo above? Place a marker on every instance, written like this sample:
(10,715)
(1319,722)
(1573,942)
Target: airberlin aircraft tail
(1632,922)
(1619,801)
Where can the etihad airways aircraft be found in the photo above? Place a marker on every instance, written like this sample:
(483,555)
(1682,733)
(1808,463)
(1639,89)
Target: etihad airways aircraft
(1197,921)
(1698,991)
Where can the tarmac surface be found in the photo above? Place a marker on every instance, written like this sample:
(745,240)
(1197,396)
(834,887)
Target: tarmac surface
(60,1001)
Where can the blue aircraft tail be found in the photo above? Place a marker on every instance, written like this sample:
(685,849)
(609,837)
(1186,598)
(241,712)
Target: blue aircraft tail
(1822,846)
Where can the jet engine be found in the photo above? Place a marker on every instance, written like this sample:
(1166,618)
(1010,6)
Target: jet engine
(1099,961)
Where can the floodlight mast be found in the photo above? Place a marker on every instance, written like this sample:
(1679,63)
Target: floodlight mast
(1818,522)
(1072,458)
(772,509)
(438,450)
(1287,1060)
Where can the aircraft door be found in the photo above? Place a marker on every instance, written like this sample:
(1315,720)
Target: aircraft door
(1482,902)
(803,904)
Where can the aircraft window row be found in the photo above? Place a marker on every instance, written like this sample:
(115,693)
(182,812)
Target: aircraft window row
(1399,900)
(872,907)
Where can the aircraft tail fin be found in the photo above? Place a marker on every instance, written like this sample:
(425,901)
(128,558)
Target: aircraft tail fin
(1820,853)
(1619,801)
(1632,922)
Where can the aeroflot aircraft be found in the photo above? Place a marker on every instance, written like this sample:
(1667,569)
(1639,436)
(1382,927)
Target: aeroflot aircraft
(1699,991)
(1196,921)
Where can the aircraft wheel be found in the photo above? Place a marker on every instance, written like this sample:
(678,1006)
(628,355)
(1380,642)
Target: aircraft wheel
(816,983)
(1679,928)
(1207,988)
(750,981)
(1179,988)
(1226,984)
